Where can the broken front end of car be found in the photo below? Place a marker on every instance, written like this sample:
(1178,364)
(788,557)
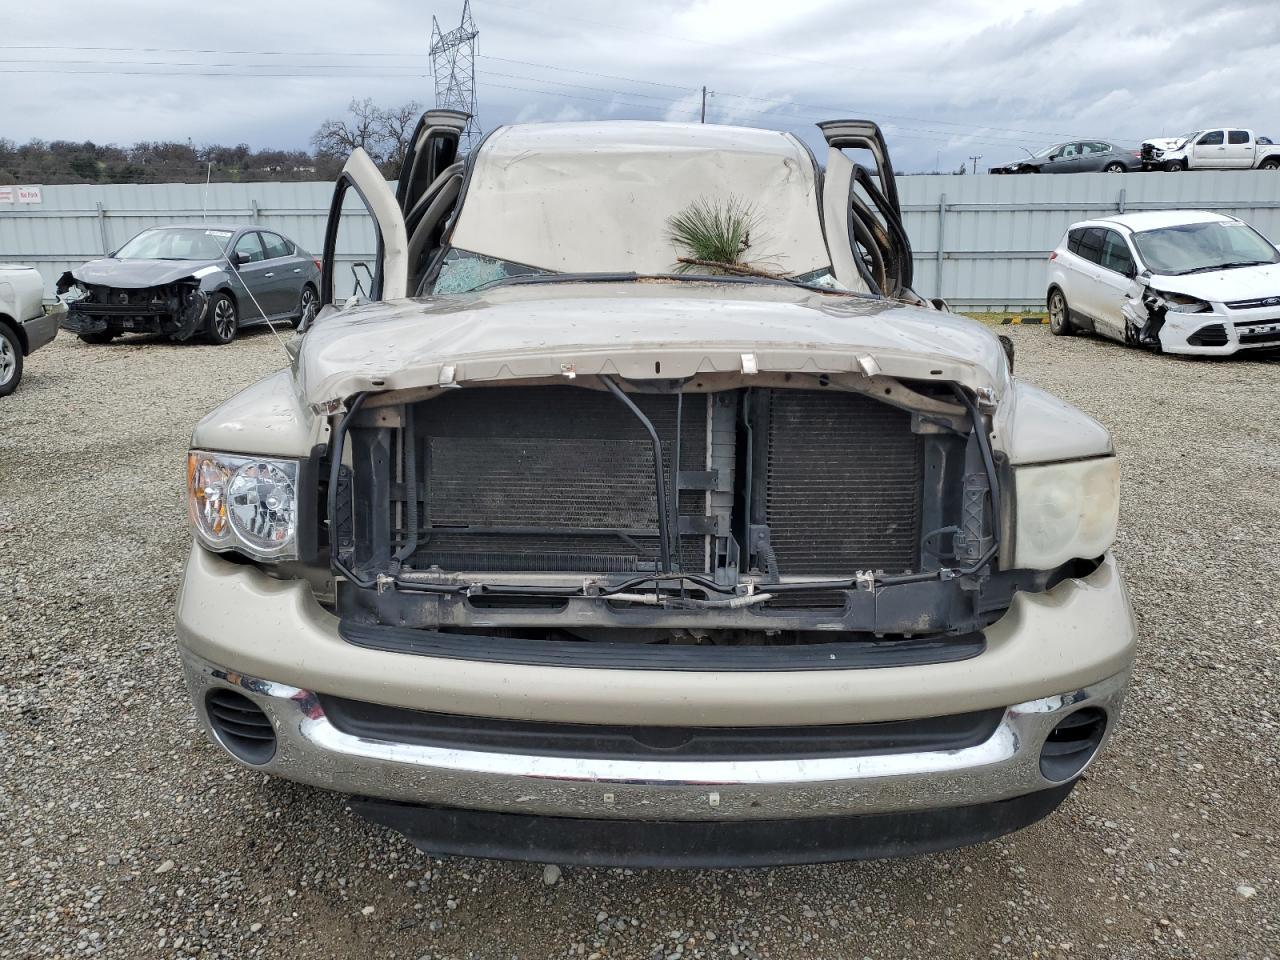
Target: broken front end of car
(826,520)
(173,309)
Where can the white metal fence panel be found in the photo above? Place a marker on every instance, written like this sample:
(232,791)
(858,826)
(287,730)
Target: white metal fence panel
(982,241)
(79,222)
(979,241)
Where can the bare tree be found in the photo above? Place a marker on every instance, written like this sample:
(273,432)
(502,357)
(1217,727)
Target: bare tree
(363,127)
(383,133)
(397,127)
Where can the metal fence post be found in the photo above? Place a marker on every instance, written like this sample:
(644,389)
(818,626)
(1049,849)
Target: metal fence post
(253,211)
(1120,202)
(942,216)
(102,227)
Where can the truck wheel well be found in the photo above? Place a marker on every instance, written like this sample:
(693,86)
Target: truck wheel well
(18,332)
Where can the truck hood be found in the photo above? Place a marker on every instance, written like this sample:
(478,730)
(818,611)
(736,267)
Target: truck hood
(1240,283)
(1165,143)
(645,329)
(136,274)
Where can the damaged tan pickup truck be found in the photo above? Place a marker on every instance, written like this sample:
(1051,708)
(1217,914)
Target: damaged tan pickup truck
(564,541)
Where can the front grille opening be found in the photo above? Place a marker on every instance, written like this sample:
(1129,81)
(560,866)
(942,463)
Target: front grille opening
(510,602)
(1072,743)
(241,726)
(626,742)
(1214,335)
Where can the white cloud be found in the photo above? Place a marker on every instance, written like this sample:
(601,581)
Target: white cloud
(949,78)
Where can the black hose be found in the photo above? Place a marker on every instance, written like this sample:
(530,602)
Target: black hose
(335,470)
(988,459)
(408,445)
(664,533)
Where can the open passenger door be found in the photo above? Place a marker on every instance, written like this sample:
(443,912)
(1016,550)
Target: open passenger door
(863,217)
(408,225)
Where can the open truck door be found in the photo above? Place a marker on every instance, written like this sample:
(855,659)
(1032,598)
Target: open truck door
(862,214)
(406,225)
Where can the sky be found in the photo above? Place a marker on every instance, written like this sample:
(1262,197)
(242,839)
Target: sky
(946,79)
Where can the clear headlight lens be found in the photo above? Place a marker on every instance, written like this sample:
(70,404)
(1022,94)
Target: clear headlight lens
(249,504)
(1065,511)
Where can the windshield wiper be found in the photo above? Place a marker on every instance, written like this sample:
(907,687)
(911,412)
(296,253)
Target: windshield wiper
(532,278)
(1225,266)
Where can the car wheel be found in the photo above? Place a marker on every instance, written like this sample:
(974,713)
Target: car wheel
(1059,315)
(224,321)
(1271,163)
(106,336)
(1176,166)
(308,302)
(10,360)
(1114,168)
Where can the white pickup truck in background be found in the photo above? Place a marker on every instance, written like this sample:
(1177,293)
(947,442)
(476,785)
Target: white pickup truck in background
(24,324)
(1216,148)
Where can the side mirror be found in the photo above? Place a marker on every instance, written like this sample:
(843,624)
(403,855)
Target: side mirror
(240,258)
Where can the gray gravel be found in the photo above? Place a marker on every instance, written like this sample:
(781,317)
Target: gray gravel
(123,833)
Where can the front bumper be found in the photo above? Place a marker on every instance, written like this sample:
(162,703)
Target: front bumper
(312,750)
(1052,654)
(1221,331)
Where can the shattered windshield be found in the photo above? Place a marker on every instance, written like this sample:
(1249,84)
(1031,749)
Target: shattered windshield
(463,271)
(176,243)
(1200,247)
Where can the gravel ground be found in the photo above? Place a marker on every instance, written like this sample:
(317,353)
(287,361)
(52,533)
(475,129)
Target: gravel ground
(123,833)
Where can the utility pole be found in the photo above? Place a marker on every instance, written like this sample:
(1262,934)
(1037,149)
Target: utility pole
(704,104)
(975,162)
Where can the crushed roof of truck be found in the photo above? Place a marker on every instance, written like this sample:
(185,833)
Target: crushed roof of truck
(596,197)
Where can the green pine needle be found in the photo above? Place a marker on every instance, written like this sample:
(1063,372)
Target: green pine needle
(712,230)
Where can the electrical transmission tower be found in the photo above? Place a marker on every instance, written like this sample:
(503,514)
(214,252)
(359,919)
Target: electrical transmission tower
(453,64)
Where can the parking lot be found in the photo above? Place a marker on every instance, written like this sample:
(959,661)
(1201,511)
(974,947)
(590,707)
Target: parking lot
(129,835)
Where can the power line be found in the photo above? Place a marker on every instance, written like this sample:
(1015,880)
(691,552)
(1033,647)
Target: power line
(1039,134)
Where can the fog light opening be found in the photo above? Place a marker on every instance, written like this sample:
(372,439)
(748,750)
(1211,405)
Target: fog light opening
(1072,743)
(241,726)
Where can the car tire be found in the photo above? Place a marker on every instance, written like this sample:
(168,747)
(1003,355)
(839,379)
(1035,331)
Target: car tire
(1176,166)
(1059,315)
(224,319)
(106,336)
(1271,163)
(308,304)
(10,360)
(1115,168)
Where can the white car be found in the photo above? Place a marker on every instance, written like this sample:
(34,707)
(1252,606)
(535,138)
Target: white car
(25,325)
(1178,281)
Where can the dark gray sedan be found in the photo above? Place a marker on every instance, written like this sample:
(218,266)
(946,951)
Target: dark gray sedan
(197,279)
(1078,156)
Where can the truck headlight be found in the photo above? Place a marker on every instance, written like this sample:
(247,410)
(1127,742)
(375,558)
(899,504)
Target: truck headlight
(1065,511)
(248,504)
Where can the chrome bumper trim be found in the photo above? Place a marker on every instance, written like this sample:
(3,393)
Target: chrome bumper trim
(312,751)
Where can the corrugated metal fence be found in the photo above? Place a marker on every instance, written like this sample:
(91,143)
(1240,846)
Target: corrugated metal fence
(979,241)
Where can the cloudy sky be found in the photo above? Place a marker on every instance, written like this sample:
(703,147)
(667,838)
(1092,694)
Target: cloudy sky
(946,78)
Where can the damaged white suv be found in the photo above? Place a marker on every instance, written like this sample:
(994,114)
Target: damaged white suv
(574,543)
(1178,281)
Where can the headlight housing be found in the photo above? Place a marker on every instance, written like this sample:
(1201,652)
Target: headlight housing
(1065,511)
(1181,303)
(242,503)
